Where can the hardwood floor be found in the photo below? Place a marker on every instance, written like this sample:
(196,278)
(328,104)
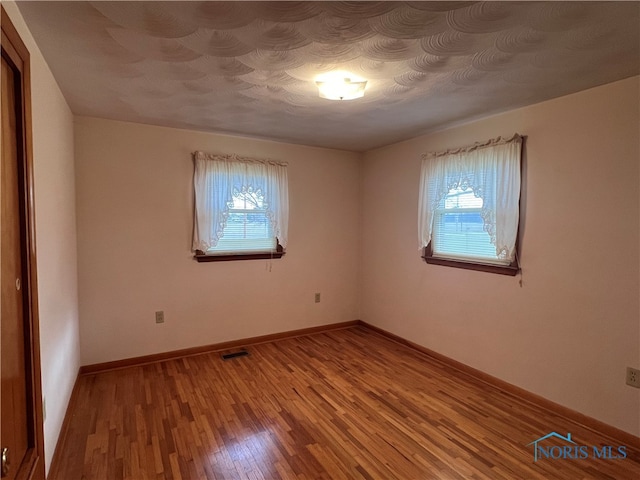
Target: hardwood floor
(345,404)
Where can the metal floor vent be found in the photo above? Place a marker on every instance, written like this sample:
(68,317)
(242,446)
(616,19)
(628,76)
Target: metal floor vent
(241,353)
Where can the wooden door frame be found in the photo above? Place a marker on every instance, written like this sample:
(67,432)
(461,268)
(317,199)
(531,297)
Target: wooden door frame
(15,51)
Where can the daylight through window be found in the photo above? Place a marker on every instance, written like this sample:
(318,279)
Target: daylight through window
(469,205)
(242,207)
(247,227)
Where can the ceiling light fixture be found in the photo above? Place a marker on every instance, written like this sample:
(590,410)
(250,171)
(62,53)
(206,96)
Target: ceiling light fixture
(340,86)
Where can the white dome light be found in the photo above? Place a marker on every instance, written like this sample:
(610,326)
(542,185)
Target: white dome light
(340,86)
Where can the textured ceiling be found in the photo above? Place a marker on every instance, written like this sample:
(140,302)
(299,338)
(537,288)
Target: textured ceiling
(248,68)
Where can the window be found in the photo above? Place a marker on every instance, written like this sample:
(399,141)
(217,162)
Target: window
(469,206)
(241,208)
(458,228)
(247,227)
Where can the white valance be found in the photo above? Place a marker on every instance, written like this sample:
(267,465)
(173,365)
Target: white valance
(492,171)
(216,177)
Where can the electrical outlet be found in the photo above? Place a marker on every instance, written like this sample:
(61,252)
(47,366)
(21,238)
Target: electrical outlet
(160,317)
(317,298)
(633,377)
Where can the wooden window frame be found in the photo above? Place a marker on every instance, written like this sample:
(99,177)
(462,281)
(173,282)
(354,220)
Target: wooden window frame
(511,269)
(202,257)
(514,267)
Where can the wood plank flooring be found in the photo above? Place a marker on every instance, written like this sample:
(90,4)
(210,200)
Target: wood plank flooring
(345,404)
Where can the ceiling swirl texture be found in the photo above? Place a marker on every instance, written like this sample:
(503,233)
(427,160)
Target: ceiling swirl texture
(249,68)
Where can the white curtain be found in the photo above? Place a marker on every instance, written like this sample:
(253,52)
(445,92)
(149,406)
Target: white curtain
(492,171)
(216,177)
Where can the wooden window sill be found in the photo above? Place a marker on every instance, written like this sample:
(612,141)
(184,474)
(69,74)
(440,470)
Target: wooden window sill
(511,269)
(201,257)
(248,256)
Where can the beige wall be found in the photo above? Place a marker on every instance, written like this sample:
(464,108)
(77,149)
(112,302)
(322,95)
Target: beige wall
(135,203)
(55,237)
(569,332)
